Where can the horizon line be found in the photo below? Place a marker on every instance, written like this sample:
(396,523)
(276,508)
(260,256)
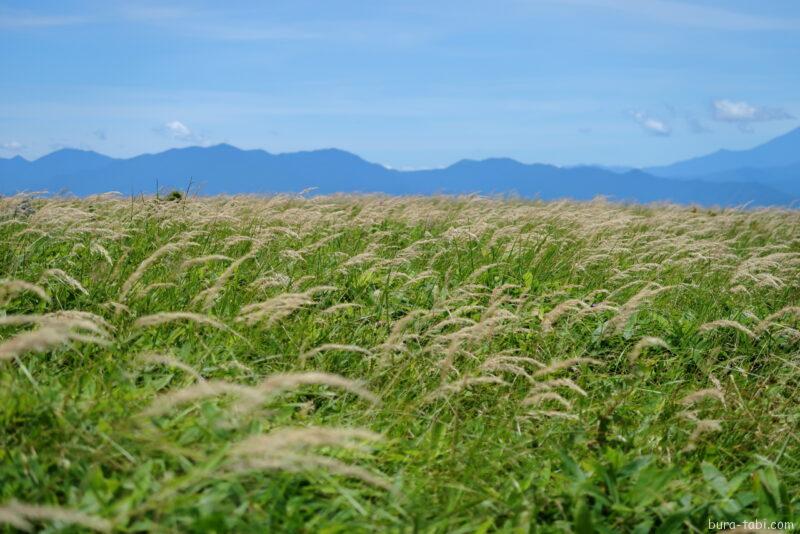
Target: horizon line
(609,167)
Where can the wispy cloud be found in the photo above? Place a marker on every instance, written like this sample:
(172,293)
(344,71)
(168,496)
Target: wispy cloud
(744,114)
(245,32)
(180,132)
(12,19)
(12,146)
(254,25)
(729,110)
(212,24)
(651,125)
(695,125)
(686,14)
(153,13)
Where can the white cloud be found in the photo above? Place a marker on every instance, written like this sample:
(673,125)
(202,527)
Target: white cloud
(12,146)
(730,111)
(743,114)
(651,125)
(180,132)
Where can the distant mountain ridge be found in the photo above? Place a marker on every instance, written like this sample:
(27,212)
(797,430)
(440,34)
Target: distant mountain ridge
(782,151)
(764,175)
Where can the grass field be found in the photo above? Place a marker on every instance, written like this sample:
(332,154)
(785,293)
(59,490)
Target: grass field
(347,364)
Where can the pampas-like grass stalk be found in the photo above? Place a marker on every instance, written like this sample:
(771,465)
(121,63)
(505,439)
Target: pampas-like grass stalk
(19,515)
(753,268)
(483,269)
(97,248)
(15,519)
(282,382)
(191,262)
(544,396)
(492,319)
(300,438)
(341,306)
(146,290)
(273,280)
(209,296)
(600,307)
(542,414)
(358,259)
(424,275)
(74,325)
(279,307)
(236,364)
(767,321)
(725,323)
(511,364)
(170,361)
(66,319)
(517,360)
(168,317)
(399,326)
(300,282)
(556,313)
(137,274)
(627,310)
(275,309)
(504,367)
(458,385)
(702,426)
(10,288)
(327,347)
(200,391)
(697,396)
(565,364)
(116,307)
(73,315)
(451,321)
(291,255)
(34,340)
(559,382)
(63,277)
(469,308)
(308,249)
(644,343)
(234,240)
(312,291)
(298,463)
(251,396)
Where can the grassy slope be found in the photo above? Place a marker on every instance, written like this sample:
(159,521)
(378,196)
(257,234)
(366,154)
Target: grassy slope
(460,456)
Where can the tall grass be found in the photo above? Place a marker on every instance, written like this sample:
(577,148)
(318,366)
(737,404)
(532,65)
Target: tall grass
(365,363)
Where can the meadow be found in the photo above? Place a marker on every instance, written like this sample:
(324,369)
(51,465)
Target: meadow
(399,364)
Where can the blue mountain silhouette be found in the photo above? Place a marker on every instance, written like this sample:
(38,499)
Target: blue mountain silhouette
(765,175)
(779,152)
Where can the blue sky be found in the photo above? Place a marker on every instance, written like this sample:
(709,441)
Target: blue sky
(408,84)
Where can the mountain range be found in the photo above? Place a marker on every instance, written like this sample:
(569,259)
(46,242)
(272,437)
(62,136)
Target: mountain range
(768,174)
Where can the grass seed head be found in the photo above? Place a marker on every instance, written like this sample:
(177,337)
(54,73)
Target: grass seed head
(19,515)
(11,288)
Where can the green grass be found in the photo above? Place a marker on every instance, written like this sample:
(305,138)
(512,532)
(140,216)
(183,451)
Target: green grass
(459,456)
